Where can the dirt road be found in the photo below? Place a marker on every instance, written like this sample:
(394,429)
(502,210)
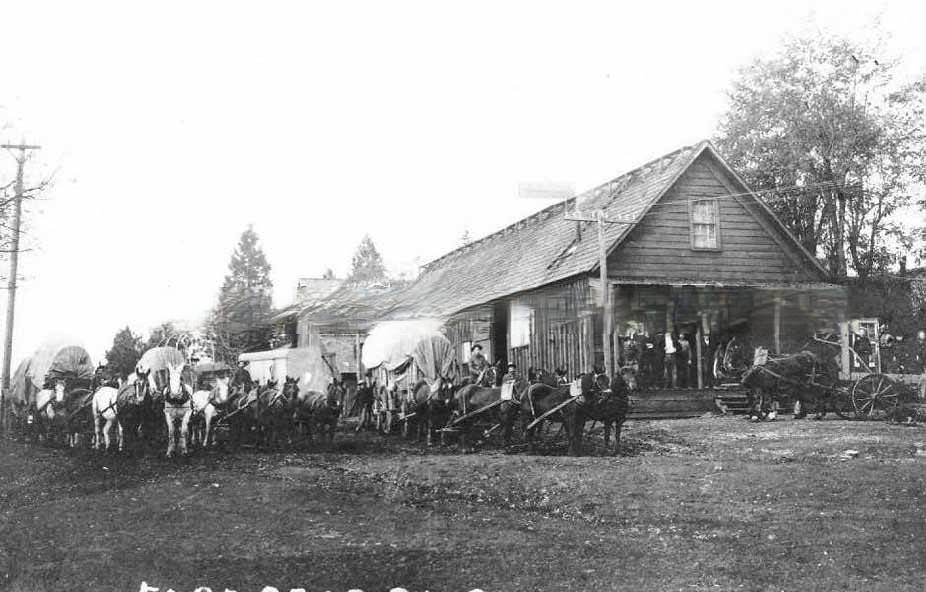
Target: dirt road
(700,504)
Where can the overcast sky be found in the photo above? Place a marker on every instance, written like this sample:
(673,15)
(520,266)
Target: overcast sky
(174,126)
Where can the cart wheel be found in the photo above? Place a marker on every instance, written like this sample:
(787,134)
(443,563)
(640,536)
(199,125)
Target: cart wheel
(874,396)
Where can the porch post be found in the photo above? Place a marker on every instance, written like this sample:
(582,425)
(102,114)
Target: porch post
(777,323)
(700,337)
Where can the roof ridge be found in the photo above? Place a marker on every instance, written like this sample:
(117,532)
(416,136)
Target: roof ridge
(560,204)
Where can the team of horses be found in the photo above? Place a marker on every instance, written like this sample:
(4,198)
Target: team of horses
(147,405)
(463,408)
(151,407)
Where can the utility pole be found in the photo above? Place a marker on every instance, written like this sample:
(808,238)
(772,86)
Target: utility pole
(22,149)
(605,302)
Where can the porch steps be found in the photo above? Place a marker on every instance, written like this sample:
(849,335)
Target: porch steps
(671,403)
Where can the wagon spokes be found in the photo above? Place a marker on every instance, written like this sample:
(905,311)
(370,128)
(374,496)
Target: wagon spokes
(874,396)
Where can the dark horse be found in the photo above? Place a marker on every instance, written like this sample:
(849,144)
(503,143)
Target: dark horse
(134,405)
(509,411)
(471,398)
(315,411)
(600,399)
(431,409)
(609,406)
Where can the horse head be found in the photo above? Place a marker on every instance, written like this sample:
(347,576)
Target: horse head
(175,386)
(141,387)
(333,395)
(291,389)
(542,376)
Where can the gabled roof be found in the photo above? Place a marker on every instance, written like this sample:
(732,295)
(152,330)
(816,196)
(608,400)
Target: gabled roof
(354,307)
(309,291)
(546,247)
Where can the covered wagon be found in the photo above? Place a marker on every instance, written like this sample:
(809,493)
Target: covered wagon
(401,353)
(55,361)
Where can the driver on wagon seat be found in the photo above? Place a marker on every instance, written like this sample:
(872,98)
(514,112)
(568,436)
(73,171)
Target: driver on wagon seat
(478,364)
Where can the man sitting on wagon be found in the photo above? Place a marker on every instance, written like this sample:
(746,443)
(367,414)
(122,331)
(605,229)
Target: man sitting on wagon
(478,364)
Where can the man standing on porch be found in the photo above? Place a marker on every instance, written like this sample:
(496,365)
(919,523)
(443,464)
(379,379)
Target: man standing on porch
(671,372)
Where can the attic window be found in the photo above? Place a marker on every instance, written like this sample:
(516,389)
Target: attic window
(705,224)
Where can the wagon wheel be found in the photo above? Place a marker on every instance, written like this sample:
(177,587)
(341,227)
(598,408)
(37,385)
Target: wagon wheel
(874,396)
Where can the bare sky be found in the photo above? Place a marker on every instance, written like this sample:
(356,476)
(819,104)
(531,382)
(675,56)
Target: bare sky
(175,125)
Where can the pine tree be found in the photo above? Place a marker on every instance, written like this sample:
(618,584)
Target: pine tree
(367,265)
(240,321)
(125,352)
(465,239)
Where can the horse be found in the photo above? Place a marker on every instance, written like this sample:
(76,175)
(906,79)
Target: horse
(273,413)
(49,406)
(315,410)
(132,402)
(242,410)
(206,405)
(609,406)
(542,398)
(177,407)
(430,407)
(808,376)
(508,411)
(105,409)
(472,397)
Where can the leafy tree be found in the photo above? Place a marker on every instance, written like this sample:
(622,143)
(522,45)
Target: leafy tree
(329,274)
(240,321)
(367,265)
(837,141)
(127,348)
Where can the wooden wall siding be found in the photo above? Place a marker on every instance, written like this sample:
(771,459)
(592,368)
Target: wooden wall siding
(561,330)
(752,249)
(473,325)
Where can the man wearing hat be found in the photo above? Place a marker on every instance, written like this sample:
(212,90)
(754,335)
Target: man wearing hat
(510,378)
(477,363)
(511,375)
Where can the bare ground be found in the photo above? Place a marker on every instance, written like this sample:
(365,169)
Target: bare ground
(700,504)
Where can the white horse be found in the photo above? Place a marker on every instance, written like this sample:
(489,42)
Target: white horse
(177,406)
(205,401)
(105,414)
(46,401)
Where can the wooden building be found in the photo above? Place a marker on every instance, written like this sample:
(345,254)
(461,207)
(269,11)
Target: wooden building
(339,322)
(702,253)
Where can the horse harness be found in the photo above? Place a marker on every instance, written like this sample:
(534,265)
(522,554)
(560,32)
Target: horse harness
(182,399)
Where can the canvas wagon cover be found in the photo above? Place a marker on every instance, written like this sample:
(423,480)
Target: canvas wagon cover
(304,363)
(52,360)
(159,358)
(392,343)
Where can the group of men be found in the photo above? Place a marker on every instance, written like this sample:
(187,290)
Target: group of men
(668,359)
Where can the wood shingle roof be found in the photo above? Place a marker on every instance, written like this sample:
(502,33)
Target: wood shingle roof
(542,248)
